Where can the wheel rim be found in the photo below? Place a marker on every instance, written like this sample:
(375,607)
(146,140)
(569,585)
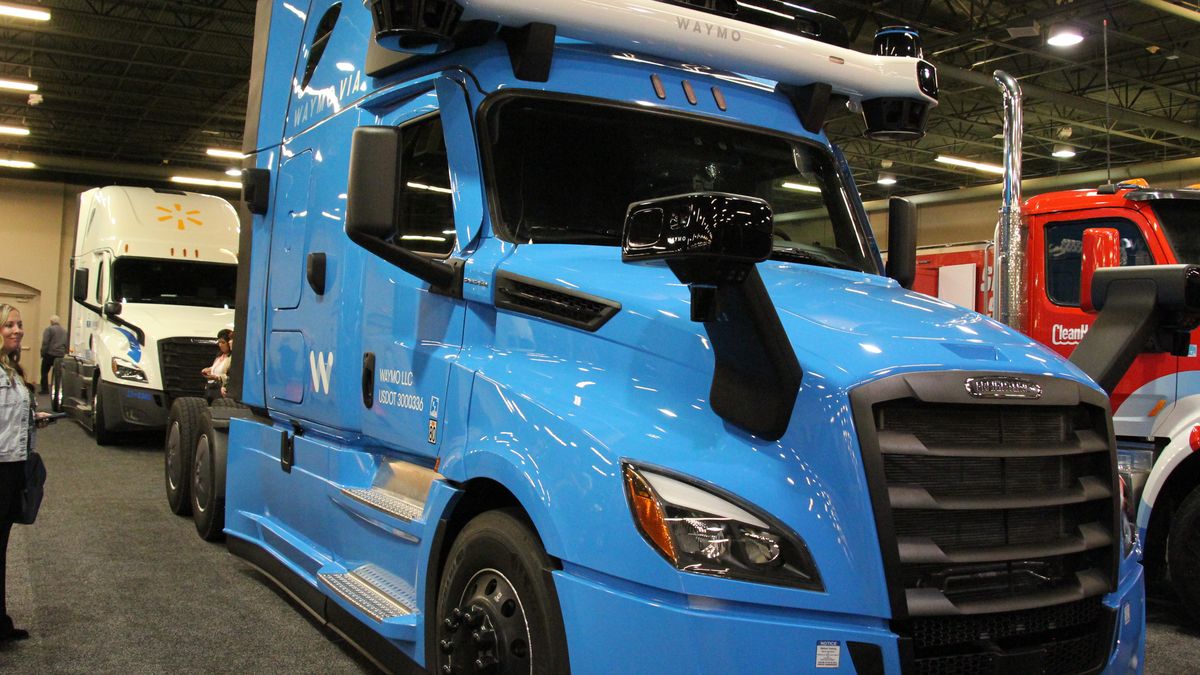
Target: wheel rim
(96,408)
(488,631)
(200,479)
(174,461)
(56,394)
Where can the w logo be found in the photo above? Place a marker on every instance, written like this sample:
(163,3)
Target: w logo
(321,370)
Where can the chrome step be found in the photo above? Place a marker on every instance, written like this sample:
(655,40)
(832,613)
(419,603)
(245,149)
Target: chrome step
(386,501)
(373,591)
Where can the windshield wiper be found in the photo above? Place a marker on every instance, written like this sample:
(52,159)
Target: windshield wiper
(809,257)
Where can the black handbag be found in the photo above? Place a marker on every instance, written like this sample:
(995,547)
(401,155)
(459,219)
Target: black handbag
(31,494)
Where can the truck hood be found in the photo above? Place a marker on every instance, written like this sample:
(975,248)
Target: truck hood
(165,321)
(845,326)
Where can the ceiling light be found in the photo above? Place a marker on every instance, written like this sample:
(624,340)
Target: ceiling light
(14,131)
(886,179)
(1063,151)
(207,182)
(233,172)
(1064,35)
(802,187)
(978,166)
(17,164)
(227,154)
(21,12)
(18,85)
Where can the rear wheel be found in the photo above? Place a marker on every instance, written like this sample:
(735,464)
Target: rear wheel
(208,510)
(183,426)
(1183,553)
(99,428)
(497,610)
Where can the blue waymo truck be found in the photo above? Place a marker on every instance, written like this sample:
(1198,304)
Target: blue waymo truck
(566,346)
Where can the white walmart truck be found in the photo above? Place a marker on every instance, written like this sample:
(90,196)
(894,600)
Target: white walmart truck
(153,279)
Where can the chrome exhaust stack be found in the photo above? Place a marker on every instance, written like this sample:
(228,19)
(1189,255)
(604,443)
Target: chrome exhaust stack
(1009,279)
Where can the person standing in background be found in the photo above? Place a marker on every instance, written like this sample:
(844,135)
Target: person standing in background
(17,424)
(54,345)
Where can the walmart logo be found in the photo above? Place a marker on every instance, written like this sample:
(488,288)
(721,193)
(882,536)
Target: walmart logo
(180,216)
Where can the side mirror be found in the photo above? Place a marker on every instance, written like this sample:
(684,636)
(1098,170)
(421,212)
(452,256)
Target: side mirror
(707,238)
(372,207)
(1101,248)
(112,309)
(79,288)
(902,241)
(712,227)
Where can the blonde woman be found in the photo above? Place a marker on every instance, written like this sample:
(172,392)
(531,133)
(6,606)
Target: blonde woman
(18,421)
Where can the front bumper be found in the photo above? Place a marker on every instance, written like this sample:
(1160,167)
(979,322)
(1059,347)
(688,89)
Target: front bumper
(615,627)
(127,408)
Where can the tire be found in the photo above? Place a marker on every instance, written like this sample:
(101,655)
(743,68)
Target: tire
(496,583)
(208,510)
(56,392)
(226,402)
(99,428)
(183,425)
(1183,553)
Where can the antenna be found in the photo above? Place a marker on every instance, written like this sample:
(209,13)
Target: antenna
(1107,118)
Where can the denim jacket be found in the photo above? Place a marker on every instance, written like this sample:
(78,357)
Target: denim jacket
(16,419)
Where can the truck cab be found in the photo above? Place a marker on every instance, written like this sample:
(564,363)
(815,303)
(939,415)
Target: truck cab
(153,280)
(565,328)
(1156,405)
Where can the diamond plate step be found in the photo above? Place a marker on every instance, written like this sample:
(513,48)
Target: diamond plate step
(373,591)
(385,501)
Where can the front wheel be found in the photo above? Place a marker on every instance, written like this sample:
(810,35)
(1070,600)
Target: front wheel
(99,425)
(497,609)
(1183,553)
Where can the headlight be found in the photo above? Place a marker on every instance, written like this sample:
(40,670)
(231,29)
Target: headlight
(127,370)
(701,532)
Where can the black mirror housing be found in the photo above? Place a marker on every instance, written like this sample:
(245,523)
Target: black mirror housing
(707,226)
(112,309)
(79,287)
(902,241)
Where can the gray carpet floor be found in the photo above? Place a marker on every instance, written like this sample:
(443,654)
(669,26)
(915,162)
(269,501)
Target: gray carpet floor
(110,581)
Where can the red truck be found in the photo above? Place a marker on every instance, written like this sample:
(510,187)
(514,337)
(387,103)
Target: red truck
(1156,403)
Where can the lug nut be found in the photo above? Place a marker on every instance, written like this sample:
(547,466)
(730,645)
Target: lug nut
(484,637)
(446,646)
(485,663)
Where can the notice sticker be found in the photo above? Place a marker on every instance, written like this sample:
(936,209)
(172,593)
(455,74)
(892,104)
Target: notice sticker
(1128,614)
(829,654)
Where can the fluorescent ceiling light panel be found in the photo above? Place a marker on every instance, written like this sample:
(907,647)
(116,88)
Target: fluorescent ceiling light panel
(978,166)
(17,85)
(227,154)
(23,12)
(802,187)
(14,131)
(17,164)
(207,182)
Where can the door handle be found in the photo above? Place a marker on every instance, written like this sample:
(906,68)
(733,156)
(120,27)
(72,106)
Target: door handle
(368,379)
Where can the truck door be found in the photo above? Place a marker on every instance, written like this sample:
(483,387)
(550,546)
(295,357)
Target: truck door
(410,335)
(1057,321)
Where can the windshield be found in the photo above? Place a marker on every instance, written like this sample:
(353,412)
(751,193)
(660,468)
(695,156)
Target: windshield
(565,172)
(173,282)
(1180,218)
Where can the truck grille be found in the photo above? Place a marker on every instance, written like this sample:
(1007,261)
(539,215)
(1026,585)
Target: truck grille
(181,360)
(998,522)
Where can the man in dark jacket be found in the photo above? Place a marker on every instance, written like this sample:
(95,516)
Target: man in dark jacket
(54,345)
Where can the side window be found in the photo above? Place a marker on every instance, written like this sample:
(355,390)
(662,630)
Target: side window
(1064,254)
(426,205)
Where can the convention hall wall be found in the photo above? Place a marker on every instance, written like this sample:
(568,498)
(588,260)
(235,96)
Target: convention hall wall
(37,226)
